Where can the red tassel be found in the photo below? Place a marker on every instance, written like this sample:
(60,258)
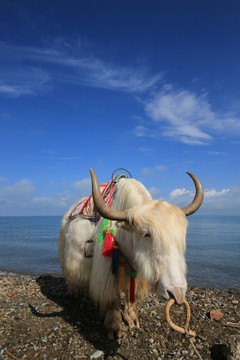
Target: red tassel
(132,290)
(108,245)
(133,275)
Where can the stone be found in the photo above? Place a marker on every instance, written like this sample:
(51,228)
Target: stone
(97,354)
(216,314)
(192,293)
(201,337)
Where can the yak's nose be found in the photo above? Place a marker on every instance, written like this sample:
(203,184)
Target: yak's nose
(178,293)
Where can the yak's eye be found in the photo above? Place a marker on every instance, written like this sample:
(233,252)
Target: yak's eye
(147,235)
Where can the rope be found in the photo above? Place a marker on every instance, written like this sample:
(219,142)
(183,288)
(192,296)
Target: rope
(107,279)
(184,330)
(187,333)
(171,323)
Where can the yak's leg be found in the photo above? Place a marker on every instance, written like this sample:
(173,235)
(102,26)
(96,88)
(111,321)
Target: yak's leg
(113,323)
(130,315)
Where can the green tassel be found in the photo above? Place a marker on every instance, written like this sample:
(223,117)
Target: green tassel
(132,273)
(102,234)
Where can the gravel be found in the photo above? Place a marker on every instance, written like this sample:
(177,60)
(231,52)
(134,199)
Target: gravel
(38,320)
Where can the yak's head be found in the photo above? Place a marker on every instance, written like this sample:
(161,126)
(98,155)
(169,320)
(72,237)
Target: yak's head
(153,238)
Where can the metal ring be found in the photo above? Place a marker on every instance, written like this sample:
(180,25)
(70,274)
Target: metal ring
(188,315)
(121,169)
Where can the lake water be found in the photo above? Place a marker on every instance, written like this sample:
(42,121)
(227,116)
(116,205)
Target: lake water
(29,245)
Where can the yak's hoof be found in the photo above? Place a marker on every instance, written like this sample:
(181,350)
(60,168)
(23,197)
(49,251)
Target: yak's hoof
(114,334)
(130,316)
(113,324)
(133,323)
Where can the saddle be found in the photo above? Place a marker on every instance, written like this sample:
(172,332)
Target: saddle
(86,209)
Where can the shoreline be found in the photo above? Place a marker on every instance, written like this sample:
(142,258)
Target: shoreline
(40,321)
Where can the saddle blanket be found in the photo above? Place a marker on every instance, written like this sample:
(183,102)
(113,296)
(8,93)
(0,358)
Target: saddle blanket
(86,208)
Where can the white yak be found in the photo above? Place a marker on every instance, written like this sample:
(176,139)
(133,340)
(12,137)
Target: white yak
(151,234)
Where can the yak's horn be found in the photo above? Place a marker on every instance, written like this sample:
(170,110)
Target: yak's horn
(198,199)
(102,209)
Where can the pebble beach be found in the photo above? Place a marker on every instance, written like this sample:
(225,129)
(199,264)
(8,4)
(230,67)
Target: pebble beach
(39,320)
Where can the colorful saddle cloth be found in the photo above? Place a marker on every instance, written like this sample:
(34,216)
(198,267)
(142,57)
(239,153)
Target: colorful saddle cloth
(86,209)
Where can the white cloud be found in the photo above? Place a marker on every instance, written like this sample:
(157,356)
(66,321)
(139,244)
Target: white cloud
(141,131)
(16,197)
(44,201)
(186,117)
(22,187)
(160,168)
(179,112)
(59,201)
(22,198)
(25,80)
(225,201)
(180,192)
(84,186)
(67,63)
(119,78)
(209,193)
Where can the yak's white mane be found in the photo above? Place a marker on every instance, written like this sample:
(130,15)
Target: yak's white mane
(130,192)
(166,223)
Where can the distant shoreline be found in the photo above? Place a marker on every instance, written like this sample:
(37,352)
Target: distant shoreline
(17,273)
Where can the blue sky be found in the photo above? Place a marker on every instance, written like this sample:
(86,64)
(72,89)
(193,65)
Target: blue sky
(152,86)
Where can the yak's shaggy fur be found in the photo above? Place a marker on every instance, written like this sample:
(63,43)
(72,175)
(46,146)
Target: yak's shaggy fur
(153,240)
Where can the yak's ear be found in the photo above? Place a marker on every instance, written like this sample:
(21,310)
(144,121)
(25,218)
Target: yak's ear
(124,225)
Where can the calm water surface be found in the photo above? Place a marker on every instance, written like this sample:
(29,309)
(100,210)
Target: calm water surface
(29,245)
